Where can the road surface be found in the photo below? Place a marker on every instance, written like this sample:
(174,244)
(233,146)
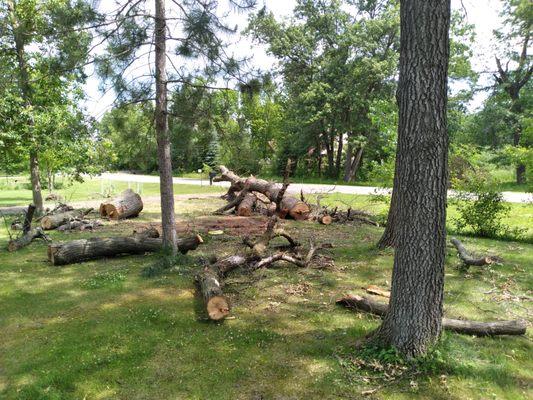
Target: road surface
(511,197)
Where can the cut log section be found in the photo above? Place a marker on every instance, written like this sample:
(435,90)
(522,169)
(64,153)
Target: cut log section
(128,205)
(94,248)
(289,206)
(55,220)
(468,259)
(26,239)
(474,328)
(210,282)
(247,205)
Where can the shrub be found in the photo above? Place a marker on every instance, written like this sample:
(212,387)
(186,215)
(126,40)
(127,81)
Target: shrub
(481,207)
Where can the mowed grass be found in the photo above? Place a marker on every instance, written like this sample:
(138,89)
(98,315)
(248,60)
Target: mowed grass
(98,330)
(12,193)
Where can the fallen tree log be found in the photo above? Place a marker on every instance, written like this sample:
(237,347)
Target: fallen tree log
(247,205)
(289,205)
(127,205)
(474,328)
(26,238)
(28,234)
(53,221)
(94,248)
(468,259)
(210,282)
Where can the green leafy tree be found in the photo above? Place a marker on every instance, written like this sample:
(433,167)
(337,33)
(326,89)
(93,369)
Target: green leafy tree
(136,35)
(43,54)
(513,75)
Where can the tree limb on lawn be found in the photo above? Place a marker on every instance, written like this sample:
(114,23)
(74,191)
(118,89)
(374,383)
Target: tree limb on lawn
(515,327)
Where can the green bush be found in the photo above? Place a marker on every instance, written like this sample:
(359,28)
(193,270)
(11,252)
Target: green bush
(481,207)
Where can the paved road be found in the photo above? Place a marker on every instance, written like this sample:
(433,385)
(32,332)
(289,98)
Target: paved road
(512,197)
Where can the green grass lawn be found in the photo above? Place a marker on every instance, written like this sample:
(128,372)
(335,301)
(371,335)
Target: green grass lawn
(94,189)
(99,330)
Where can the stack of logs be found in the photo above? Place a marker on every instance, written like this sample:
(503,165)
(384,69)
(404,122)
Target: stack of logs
(247,196)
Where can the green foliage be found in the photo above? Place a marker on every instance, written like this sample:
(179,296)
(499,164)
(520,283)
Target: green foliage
(481,207)
(127,138)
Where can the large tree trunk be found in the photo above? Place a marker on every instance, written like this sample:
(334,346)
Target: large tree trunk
(414,320)
(168,219)
(95,248)
(353,161)
(129,204)
(388,239)
(476,328)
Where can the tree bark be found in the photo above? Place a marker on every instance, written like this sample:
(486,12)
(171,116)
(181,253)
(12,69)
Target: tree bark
(55,220)
(168,219)
(468,259)
(475,328)
(129,204)
(210,282)
(289,205)
(414,321)
(26,239)
(36,183)
(353,161)
(28,217)
(388,239)
(26,92)
(95,248)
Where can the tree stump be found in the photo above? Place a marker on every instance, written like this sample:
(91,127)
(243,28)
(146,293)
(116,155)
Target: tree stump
(128,205)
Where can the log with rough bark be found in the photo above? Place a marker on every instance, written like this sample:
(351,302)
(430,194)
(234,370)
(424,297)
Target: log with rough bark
(474,328)
(28,234)
(26,225)
(53,221)
(128,205)
(210,282)
(26,238)
(247,205)
(289,206)
(95,248)
(468,259)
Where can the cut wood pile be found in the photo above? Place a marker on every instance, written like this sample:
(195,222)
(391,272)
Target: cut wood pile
(147,241)
(56,220)
(260,253)
(475,328)
(127,205)
(249,196)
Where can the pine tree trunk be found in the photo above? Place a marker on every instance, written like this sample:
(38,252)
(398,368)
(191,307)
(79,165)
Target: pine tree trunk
(414,320)
(161,125)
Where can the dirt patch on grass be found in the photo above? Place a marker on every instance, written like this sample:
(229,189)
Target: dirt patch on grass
(230,225)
